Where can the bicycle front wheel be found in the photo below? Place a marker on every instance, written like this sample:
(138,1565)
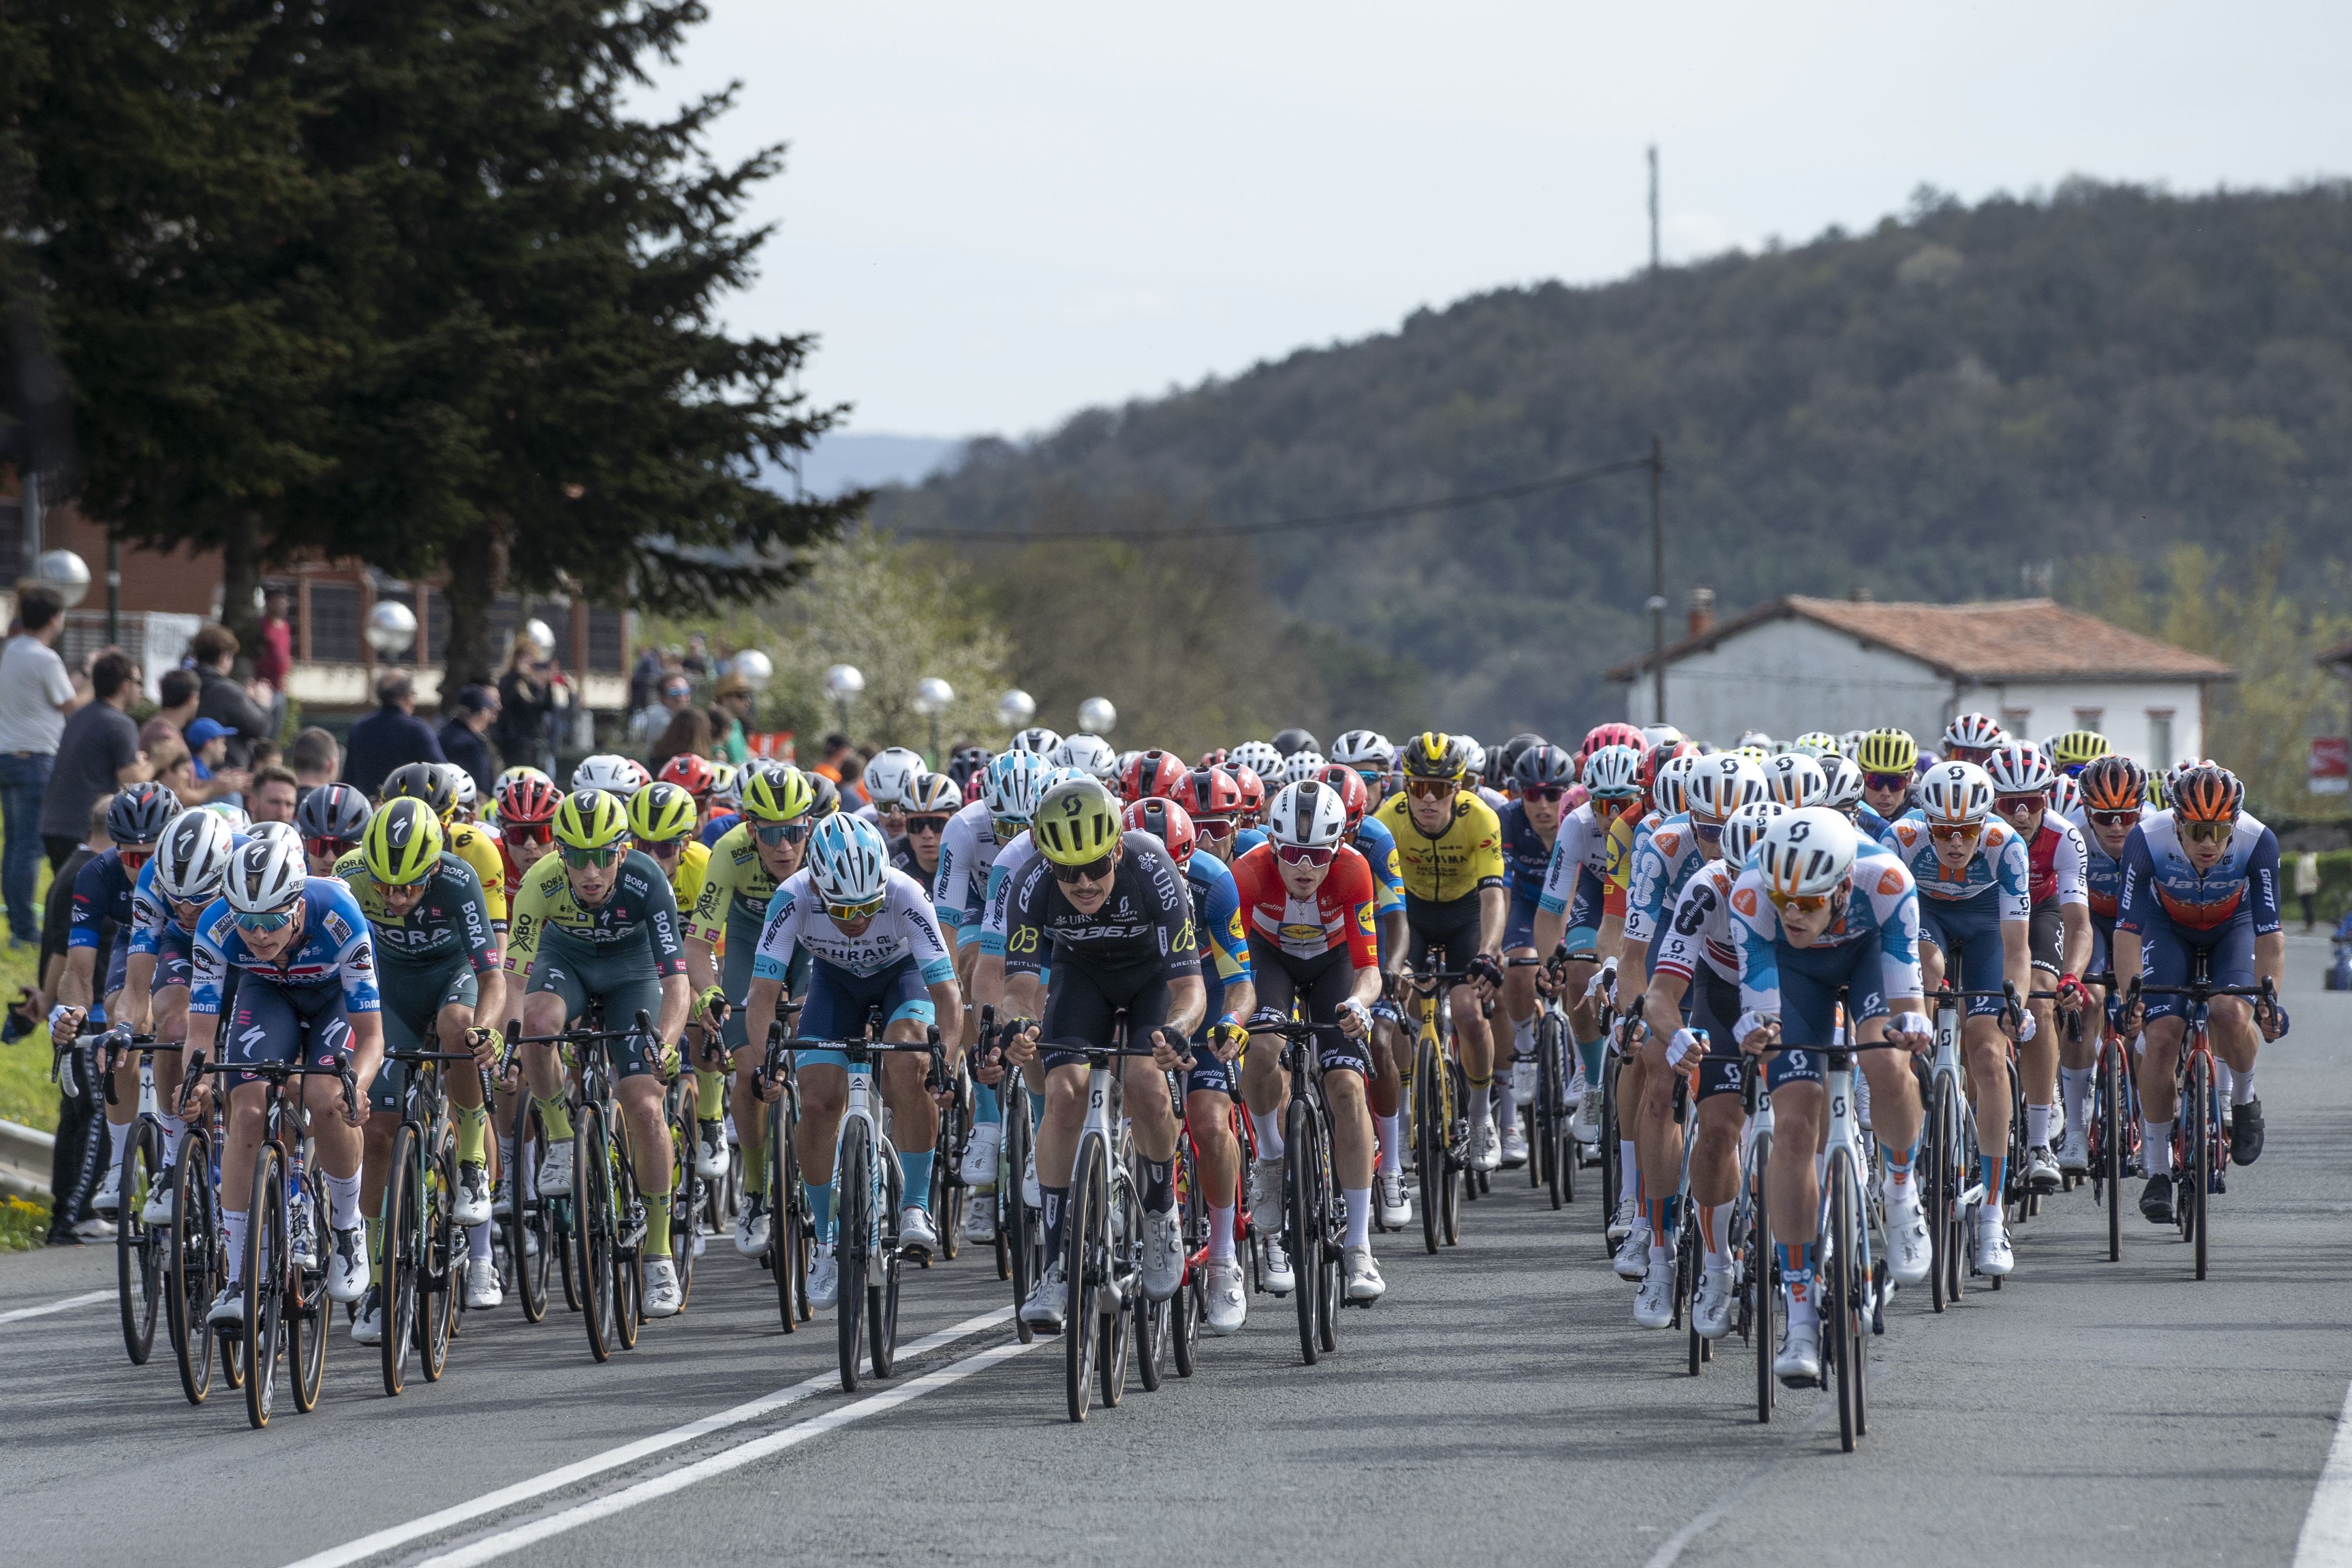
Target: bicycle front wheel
(403,1242)
(196,1246)
(527,1239)
(1015,1220)
(1841,1296)
(138,1252)
(1429,1145)
(592,1221)
(1763,1277)
(2111,1142)
(306,1307)
(853,1228)
(1085,1259)
(1551,1102)
(438,1261)
(882,1300)
(265,1257)
(787,1239)
(2196,1214)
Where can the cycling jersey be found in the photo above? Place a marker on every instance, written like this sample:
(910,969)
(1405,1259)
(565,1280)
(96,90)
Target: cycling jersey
(1996,869)
(151,920)
(1870,954)
(102,891)
(1223,945)
(1012,859)
(1586,861)
(2102,874)
(2163,887)
(903,857)
(1526,856)
(735,892)
(1698,930)
(904,928)
(1338,916)
(968,849)
(452,919)
(1463,858)
(641,912)
(1245,840)
(685,879)
(1666,853)
(1146,921)
(482,849)
(2055,864)
(1377,844)
(336,950)
(718,827)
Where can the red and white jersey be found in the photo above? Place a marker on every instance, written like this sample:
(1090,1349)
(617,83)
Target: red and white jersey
(1340,915)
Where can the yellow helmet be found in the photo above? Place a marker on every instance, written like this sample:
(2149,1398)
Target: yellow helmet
(591,819)
(777,795)
(2078,746)
(402,842)
(1432,755)
(661,812)
(1076,822)
(1887,751)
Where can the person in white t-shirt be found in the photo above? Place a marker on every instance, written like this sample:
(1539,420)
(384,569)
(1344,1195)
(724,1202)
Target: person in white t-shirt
(36,695)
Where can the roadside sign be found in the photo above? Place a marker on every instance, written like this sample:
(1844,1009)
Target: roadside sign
(2331,764)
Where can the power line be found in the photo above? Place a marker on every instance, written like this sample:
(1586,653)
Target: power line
(1287,525)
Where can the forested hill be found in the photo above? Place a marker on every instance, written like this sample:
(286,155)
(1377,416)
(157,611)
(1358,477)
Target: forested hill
(1926,410)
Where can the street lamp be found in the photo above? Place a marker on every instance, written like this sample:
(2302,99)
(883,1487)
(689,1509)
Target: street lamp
(391,628)
(1097,716)
(1015,707)
(755,670)
(933,697)
(841,682)
(64,573)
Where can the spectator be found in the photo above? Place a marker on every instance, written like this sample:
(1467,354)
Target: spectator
(97,753)
(36,695)
(677,696)
(731,708)
(209,743)
(212,650)
(79,1159)
(175,770)
(2307,886)
(688,732)
(477,708)
(316,759)
(644,678)
(696,658)
(837,750)
(178,689)
(275,656)
(391,737)
(273,794)
(528,698)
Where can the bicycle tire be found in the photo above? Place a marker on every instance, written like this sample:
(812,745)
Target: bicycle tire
(396,1290)
(306,1322)
(1559,1160)
(1612,1172)
(1190,1304)
(882,1300)
(2201,1153)
(852,1232)
(1959,1126)
(687,1194)
(1302,1226)
(1454,1166)
(1085,1223)
(1429,1148)
(194,1260)
(529,1220)
(947,1193)
(1122,1252)
(1689,1271)
(1333,1287)
(1763,1277)
(2017,1196)
(438,1263)
(1844,1297)
(265,1253)
(628,1233)
(138,1265)
(591,1222)
(787,1236)
(2111,1154)
(1014,1217)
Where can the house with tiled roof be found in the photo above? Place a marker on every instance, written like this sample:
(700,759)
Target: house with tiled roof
(1797,664)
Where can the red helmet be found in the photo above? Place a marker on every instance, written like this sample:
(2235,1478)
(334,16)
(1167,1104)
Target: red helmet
(1215,757)
(1350,785)
(1658,756)
(1253,790)
(1166,821)
(1150,775)
(531,800)
(1601,735)
(690,774)
(1208,792)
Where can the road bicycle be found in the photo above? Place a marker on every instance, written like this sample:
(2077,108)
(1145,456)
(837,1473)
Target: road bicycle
(2200,1144)
(1435,1090)
(1551,1149)
(1315,1228)
(1752,1244)
(1020,1227)
(141,1252)
(1948,1149)
(690,1193)
(536,1229)
(790,1237)
(1102,1237)
(950,1194)
(423,1249)
(2114,1132)
(196,1256)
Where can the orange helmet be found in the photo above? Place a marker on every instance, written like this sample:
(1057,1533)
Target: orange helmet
(2112,782)
(2207,794)
(690,774)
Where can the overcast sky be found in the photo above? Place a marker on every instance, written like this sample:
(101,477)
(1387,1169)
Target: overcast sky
(994,216)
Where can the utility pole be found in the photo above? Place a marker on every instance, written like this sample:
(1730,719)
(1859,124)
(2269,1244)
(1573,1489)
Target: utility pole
(1657,605)
(1654,212)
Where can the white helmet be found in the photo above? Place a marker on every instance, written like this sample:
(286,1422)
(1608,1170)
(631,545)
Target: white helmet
(1756,738)
(1806,853)
(1037,739)
(614,774)
(1955,794)
(1259,756)
(263,875)
(1669,792)
(284,830)
(1303,765)
(2020,768)
(890,775)
(228,811)
(848,863)
(1614,771)
(1743,827)
(1361,749)
(2065,795)
(1057,775)
(1098,757)
(1012,786)
(462,785)
(1655,735)
(1975,731)
(934,793)
(194,856)
(1850,744)
(1816,745)
(1309,814)
(1845,783)
(1720,785)
(727,786)
(1474,762)
(1795,780)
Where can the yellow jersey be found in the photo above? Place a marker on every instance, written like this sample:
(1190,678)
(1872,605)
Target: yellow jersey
(477,847)
(1455,863)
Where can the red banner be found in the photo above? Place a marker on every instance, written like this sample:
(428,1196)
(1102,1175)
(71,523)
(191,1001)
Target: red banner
(2331,764)
(772,745)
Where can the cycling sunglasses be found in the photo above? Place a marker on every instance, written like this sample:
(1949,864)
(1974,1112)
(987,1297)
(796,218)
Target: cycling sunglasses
(334,849)
(1886,781)
(1706,832)
(1008,828)
(1305,855)
(1618,804)
(774,833)
(512,832)
(1373,777)
(927,825)
(1975,755)
(1432,789)
(847,913)
(1214,827)
(668,850)
(2207,832)
(1957,833)
(2115,818)
(579,859)
(1803,904)
(2008,804)
(132,859)
(276,919)
(1092,871)
(1546,793)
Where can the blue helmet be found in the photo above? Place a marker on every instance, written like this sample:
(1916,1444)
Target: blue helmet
(848,862)
(1015,782)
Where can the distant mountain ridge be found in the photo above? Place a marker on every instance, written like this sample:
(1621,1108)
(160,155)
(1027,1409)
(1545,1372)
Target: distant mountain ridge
(847,460)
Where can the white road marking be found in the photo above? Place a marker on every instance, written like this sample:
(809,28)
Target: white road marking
(506,1496)
(2327,1537)
(1671,1549)
(491,1547)
(92,1298)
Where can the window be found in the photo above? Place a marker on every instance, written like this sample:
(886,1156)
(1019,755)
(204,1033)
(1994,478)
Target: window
(2088,718)
(2160,738)
(2017,722)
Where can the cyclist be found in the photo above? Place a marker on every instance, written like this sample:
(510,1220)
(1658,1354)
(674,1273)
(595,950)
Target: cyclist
(306,993)
(1450,850)
(1972,737)
(2114,802)
(967,764)
(1542,775)
(2058,932)
(747,865)
(696,777)
(330,819)
(873,940)
(527,808)
(1090,755)
(1309,901)
(933,799)
(727,782)
(1820,911)
(616,775)
(889,781)
(2203,874)
(1888,759)
(1974,908)
(1113,908)
(596,922)
(1369,752)
(1372,840)
(1150,775)
(2075,749)
(476,847)
(662,821)
(1037,741)
(437,963)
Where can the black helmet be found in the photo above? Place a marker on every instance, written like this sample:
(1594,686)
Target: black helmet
(335,811)
(139,813)
(424,781)
(1509,752)
(828,797)
(1544,765)
(969,764)
(1292,740)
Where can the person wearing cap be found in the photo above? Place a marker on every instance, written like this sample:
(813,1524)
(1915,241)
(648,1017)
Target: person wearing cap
(470,718)
(732,702)
(391,737)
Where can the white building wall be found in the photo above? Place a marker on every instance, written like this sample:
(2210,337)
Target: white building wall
(2128,711)
(1786,677)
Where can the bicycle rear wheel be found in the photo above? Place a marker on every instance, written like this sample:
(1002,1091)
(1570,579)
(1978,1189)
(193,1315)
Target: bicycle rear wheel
(949,1195)
(307,1322)
(404,1223)
(591,1221)
(264,1259)
(2196,1215)
(1763,1277)
(527,1222)
(788,1238)
(438,1262)
(1190,1302)
(2111,1139)
(1085,1248)
(1302,1218)
(196,1244)
(138,1252)
(882,1300)
(853,1229)
(1333,1286)
(1015,1219)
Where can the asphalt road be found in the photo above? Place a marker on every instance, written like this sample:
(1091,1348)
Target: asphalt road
(1499,1404)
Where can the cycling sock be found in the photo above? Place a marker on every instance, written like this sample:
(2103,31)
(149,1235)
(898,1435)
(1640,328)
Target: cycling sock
(1991,1167)
(118,1141)
(1797,1273)
(820,1203)
(1221,1232)
(342,1201)
(1392,1142)
(1036,1107)
(1897,1164)
(1159,1185)
(1715,1219)
(1482,1102)
(1659,1213)
(1050,1202)
(233,1233)
(1629,1162)
(1523,1036)
(555,1117)
(1270,1134)
(2073,1091)
(1862,1101)
(1360,1215)
(1589,1053)
(2037,1125)
(473,1125)
(477,1242)
(985,1107)
(174,1128)
(375,1251)
(658,1217)
(2242,1087)
(710,1095)
(917,1170)
(2222,1079)
(506,1154)
(1506,1110)
(2156,1147)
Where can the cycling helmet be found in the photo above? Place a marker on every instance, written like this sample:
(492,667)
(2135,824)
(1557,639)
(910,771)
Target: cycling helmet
(192,856)
(1614,771)
(1816,745)
(2172,776)
(935,793)
(968,765)
(1663,735)
(1796,780)
(1075,824)
(848,863)
(890,775)
(1953,795)
(1096,756)
(424,781)
(139,814)
(1668,786)
(340,812)
(1760,740)
(1166,821)
(614,774)
(1350,786)
(1053,777)
(1149,773)
(505,783)
(591,819)
(284,830)
(1613,735)
(1012,786)
(1720,785)
(2064,795)
(2207,793)
(1973,732)
(403,843)
(264,875)
(1844,782)
(1760,755)
(469,794)
(1503,761)
(661,812)
(1361,749)
(1292,740)
(2113,783)
(727,786)
(1474,760)
(228,811)
(1257,757)
(2076,748)
(1887,751)
(1743,827)
(531,800)
(1309,815)
(1215,757)
(1850,744)
(1304,766)
(2019,769)
(1806,853)
(1544,765)
(777,795)
(1209,792)
(1037,739)
(827,796)
(2157,797)
(692,774)
(1253,790)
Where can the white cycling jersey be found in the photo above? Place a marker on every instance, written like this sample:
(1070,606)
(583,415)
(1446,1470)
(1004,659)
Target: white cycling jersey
(1699,930)
(966,849)
(796,918)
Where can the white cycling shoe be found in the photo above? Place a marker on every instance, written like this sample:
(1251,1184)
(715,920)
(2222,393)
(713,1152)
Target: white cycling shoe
(1633,1259)
(751,1231)
(1163,1254)
(472,1206)
(917,1237)
(502,1195)
(227,1311)
(483,1291)
(1396,1203)
(555,1171)
(109,1196)
(663,1298)
(367,1323)
(1047,1300)
(1523,1082)
(1276,1275)
(1363,1275)
(710,1156)
(1654,1303)
(979,1166)
(1228,1303)
(1030,1195)
(1994,1255)
(1798,1363)
(979,1216)
(824,1281)
(1486,1149)
(1584,1124)
(347,1265)
(1514,1145)
(2075,1151)
(1627,1218)
(1266,1193)
(1711,1308)
(1911,1252)
(157,1209)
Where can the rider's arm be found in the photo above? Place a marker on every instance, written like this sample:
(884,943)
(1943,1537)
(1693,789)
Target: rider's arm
(930,952)
(138,992)
(760,1006)
(1493,912)
(1188,999)
(678,1002)
(2270,932)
